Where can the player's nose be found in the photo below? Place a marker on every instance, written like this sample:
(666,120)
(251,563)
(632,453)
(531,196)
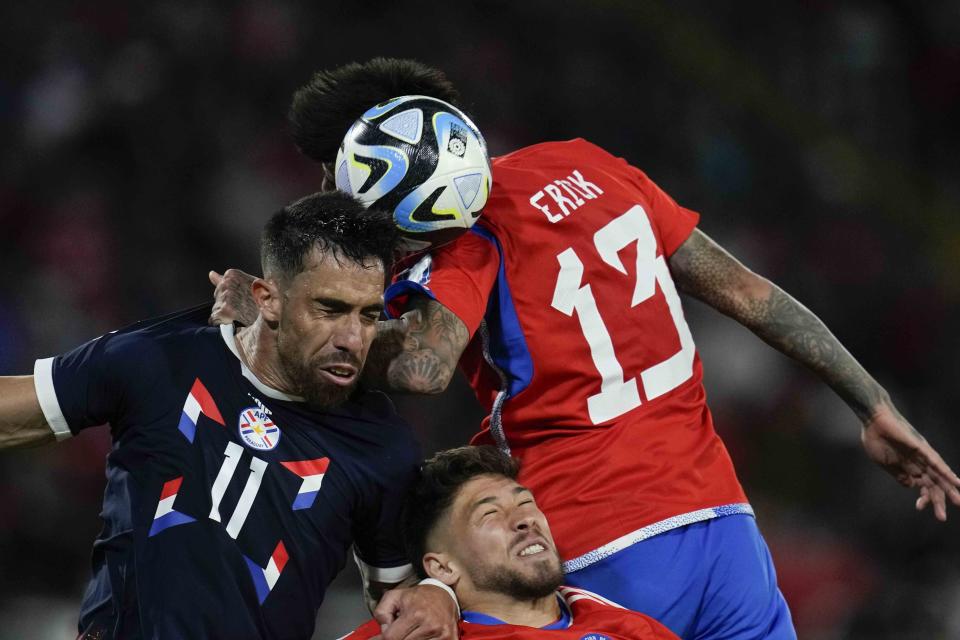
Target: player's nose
(348,335)
(522,522)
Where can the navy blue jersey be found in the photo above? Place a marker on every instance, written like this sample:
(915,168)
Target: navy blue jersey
(229,505)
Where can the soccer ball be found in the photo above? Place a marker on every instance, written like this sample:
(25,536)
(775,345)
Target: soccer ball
(421,159)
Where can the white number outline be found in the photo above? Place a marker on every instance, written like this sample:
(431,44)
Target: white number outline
(617,395)
(233,453)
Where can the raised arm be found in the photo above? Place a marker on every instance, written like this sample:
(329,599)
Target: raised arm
(419,352)
(22,423)
(704,270)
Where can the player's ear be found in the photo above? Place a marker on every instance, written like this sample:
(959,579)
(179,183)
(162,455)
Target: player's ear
(267,296)
(442,567)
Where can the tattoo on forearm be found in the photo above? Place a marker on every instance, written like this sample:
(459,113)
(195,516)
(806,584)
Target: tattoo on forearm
(790,327)
(704,270)
(420,371)
(387,346)
(430,352)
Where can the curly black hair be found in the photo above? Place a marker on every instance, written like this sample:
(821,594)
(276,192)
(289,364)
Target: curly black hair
(330,221)
(441,478)
(323,109)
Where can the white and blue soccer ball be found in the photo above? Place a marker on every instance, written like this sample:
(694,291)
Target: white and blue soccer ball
(421,159)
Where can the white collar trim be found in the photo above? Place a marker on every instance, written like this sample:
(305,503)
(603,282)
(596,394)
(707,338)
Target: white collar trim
(226,332)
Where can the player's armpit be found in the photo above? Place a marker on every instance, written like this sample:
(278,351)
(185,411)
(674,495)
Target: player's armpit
(424,360)
(22,423)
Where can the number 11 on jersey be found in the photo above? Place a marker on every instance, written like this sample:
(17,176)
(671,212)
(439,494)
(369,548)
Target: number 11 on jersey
(618,396)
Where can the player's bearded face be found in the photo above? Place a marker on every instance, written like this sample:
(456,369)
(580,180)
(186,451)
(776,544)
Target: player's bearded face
(326,326)
(541,578)
(307,372)
(504,541)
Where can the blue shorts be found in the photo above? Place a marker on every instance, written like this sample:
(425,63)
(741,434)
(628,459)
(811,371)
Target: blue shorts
(710,580)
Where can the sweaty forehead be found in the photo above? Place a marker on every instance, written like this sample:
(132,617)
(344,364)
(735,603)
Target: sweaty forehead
(331,258)
(484,489)
(325,273)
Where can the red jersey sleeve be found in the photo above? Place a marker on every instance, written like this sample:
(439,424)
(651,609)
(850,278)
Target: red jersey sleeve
(367,630)
(458,275)
(675,223)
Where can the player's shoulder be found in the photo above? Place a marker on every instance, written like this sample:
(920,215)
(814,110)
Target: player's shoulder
(373,443)
(181,333)
(186,327)
(372,415)
(573,595)
(573,148)
(588,605)
(372,405)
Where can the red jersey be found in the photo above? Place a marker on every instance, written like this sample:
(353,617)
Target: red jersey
(580,349)
(583,615)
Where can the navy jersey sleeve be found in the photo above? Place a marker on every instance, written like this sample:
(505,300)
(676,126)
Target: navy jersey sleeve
(92,384)
(379,547)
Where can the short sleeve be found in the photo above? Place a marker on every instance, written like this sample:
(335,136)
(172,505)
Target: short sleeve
(675,223)
(87,386)
(458,275)
(378,540)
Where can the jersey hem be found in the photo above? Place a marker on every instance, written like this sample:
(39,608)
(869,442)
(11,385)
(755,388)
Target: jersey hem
(641,534)
(47,395)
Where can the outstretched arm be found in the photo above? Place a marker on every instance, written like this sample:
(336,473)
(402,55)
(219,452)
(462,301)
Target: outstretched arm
(22,423)
(419,352)
(703,269)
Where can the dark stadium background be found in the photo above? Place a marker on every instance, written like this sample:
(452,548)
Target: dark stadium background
(145,144)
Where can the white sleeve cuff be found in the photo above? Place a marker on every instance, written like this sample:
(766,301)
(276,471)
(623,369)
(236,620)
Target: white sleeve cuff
(47,395)
(388,575)
(437,583)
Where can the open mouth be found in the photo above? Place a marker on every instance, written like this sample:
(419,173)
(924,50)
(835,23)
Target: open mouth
(532,549)
(340,374)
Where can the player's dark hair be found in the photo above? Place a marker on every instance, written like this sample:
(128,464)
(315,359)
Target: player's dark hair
(323,109)
(330,221)
(441,478)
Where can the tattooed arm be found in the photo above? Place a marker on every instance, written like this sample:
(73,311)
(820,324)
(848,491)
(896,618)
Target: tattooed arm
(232,298)
(418,353)
(704,270)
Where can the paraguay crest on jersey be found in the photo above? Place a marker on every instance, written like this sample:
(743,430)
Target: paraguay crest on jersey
(258,430)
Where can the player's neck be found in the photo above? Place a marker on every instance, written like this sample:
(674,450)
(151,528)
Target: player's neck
(529,613)
(256,346)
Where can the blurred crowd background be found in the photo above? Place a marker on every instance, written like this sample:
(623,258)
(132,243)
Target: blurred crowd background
(145,143)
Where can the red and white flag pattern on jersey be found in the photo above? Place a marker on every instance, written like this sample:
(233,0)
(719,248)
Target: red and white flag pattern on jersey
(312,472)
